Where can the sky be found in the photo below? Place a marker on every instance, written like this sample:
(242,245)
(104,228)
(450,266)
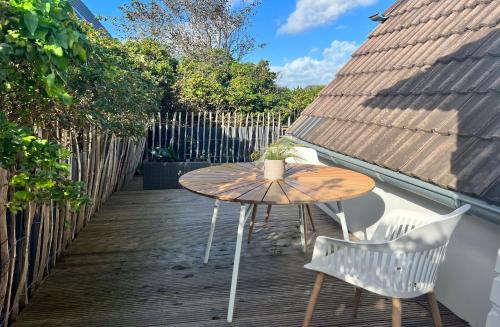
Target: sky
(307,41)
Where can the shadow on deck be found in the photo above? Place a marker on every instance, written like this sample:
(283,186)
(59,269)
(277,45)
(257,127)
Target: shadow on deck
(139,263)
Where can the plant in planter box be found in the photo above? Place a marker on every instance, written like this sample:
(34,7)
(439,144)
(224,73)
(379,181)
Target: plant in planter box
(164,154)
(163,169)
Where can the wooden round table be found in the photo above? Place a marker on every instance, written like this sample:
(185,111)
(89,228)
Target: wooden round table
(245,183)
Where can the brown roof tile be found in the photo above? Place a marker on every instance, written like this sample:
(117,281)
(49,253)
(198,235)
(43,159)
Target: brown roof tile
(420,96)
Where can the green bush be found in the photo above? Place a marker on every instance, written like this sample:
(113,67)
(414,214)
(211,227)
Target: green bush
(39,39)
(38,169)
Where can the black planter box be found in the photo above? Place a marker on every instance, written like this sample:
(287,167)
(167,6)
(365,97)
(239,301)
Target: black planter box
(165,175)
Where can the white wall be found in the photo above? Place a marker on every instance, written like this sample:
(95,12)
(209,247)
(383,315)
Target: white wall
(494,315)
(465,278)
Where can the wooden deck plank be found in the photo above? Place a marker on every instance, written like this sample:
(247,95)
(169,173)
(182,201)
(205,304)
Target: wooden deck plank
(139,263)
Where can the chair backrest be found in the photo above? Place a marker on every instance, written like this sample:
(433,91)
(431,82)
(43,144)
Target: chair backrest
(304,155)
(400,222)
(418,253)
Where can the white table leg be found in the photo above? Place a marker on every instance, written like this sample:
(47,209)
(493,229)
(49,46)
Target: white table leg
(241,226)
(212,229)
(343,222)
(302,228)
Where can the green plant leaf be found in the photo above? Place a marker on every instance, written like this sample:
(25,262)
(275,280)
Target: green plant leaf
(31,21)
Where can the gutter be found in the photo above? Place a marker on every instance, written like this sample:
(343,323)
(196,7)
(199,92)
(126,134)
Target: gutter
(430,191)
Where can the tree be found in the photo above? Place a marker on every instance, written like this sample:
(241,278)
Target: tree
(191,28)
(300,98)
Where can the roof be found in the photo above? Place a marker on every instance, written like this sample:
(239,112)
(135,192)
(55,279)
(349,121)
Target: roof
(84,13)
(421,96)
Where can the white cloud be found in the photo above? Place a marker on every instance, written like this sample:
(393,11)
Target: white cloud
(304,71)
(312,13)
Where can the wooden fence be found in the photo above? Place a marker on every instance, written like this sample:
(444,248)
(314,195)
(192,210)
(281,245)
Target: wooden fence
(31,240)
(215,137)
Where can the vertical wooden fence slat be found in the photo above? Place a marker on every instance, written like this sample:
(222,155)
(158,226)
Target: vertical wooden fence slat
(233,136)
(245,145)
(159,130)
(215,137)
(172,134)
(209,146)
(228,135)
(191,141)
(221,137)
(153,132)
(179,133)
(198,135)
(204,133)
(4,244)
(257,134)
(279,125)
(167,141)
(185,134)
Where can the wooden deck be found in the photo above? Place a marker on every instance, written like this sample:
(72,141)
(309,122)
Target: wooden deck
(139,263)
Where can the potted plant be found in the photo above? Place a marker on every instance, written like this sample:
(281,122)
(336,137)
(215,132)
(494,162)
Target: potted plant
(163,168)
(274,159)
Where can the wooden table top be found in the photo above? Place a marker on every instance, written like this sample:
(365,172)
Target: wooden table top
(245,182)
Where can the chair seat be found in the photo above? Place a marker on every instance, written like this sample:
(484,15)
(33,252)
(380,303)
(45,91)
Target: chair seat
(390,282)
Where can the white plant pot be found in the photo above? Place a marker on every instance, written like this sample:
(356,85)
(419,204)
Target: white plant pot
(274,169)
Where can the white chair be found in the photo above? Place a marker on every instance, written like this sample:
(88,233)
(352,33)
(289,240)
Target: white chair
(305,156)
(400,261)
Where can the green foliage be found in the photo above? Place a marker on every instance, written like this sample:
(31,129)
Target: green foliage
(38,168)
(39,40)
(203,84)
(279,150)
(111,89)
(157,65)
(300,98)
(222,83)
(164,154)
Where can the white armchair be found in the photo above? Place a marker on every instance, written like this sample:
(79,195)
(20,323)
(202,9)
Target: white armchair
(305,156)
(400,261)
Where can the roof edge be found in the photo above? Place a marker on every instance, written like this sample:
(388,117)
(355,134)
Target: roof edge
(430,191)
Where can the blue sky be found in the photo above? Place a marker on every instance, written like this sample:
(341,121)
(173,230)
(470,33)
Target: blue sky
(307,40)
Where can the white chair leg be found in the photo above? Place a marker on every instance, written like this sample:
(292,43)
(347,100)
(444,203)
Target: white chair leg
(212,229)
(302,228)
(236,265)
(343,222)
